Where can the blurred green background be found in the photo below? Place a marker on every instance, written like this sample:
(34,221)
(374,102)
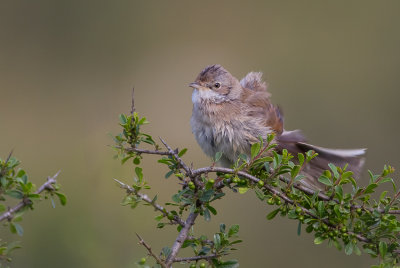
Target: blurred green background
(66,72)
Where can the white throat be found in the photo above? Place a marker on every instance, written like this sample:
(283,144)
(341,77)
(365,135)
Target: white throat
(201,95)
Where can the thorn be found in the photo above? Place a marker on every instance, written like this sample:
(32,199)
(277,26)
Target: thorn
(9,156)
(133,101)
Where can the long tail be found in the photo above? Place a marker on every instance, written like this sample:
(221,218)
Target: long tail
(294,142)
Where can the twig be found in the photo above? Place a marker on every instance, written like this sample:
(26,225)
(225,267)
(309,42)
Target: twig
(180,161)
(147,199)
(183,234)
(46,186)
(148,247)
(133,101)
(196,258)
(141,151)
(271,190)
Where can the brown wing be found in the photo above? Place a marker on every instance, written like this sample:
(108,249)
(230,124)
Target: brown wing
(260,106)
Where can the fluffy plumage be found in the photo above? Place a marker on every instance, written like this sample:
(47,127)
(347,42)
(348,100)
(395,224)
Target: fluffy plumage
(229,116)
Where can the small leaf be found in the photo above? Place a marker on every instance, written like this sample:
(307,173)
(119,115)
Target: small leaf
(334,170)
(217,156)
(295,171)
(217,241)
(227,264)
(62,197)
(299,229)
(206,196)
(122,119)
(233,230)
(325,180)
(272,214)
(255,149)
(212,210)
(159,217)
(370,188)
(243,190)
(382,249)
(169,173)
(318,240)
(222,227)
(207,215)
(300,156)
(15,193)
(182,152)
(348,249)
(139,173)
(19,229)
(259,194)
(299,178)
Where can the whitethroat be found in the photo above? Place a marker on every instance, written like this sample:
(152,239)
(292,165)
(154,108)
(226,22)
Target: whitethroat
(230,115)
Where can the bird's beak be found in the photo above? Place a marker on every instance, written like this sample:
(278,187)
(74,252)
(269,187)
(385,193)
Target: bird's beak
(194,85)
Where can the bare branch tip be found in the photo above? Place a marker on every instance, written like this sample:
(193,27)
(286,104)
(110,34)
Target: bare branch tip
(133,101)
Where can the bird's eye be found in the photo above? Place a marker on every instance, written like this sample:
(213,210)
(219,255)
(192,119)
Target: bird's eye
(217,85)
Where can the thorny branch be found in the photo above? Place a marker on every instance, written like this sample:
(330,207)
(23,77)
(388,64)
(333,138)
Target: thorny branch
(146,199)
(196,258)
(148,247)
(183,234)
(25,202)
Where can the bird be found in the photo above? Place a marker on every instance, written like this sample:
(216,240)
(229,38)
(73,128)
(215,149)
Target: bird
(229,116)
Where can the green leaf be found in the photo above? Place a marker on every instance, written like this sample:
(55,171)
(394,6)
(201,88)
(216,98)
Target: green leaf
(217,241)
(233,230)
(19,229)
(259,194)
(318,240)
(334,170)
(139,173)
(272,214)
(62,197)
(122,119)
(182,152)
(382,249)
(159,217)
(348,249)
(300,156)
(295,171)
(212,210)
(206,196)
(346,175)
(217,156)
(255,149)
(339,192)
(207,215)
(299,229)
(222,227)
(169,173)
(321,208)
(370,188)
(15,193)
(166,251)
(13,229)
(243,157)
(243,190)
(227,264)
(299,178)
(325,180)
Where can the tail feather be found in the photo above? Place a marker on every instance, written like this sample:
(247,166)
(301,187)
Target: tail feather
(355,158)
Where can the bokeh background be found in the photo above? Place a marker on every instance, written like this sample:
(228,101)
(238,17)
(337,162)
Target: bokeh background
(66,72)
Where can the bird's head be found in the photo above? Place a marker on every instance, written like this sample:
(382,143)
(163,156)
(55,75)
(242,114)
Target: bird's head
(215,84)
